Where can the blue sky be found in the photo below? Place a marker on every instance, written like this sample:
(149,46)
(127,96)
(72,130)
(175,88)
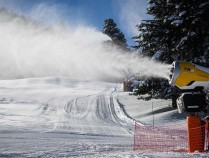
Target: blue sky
(126,13)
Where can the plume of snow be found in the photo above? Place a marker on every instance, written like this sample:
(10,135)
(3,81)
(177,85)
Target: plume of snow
(33,49)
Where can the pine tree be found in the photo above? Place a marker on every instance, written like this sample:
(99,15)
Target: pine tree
(155,35)
(190,44)
(179,29)
(110,29)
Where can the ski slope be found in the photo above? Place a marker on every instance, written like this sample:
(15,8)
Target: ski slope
(61,117)
(54,104)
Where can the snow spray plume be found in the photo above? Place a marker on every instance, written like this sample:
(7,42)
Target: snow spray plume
(29,49)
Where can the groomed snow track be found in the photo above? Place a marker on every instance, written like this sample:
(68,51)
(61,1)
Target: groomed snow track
(59,117)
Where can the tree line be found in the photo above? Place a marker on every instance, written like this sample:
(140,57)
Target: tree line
(179,30)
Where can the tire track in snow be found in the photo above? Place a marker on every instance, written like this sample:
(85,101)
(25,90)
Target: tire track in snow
(96,113)
(78,108)
(106,112)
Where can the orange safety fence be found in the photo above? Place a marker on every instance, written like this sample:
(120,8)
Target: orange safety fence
(167,138)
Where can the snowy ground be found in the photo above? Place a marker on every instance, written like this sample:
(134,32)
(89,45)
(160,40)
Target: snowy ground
(155,112)
(60,117)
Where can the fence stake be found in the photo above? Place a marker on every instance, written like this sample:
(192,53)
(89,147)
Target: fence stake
(153,119)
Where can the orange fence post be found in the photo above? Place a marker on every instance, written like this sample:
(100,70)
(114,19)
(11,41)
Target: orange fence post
(196,135)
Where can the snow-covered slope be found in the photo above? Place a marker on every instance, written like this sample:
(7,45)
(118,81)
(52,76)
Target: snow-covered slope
(60,117)
(155,111)
(60,104)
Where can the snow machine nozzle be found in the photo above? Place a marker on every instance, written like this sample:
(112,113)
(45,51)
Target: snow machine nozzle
(186,75)
(173,75)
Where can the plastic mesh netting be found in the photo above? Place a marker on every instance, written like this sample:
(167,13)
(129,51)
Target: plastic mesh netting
(175,138)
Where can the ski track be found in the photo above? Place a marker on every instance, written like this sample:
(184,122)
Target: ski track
(95,114)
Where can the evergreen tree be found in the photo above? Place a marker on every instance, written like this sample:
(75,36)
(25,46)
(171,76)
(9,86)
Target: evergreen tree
(179,29)
(110,29)
(155,35)
(193,27)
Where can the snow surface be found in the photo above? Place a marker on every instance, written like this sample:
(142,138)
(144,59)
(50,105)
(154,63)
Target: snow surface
(61,117)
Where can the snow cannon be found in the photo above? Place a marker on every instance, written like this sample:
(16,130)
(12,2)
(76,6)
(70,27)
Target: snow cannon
(191,85)
(188,76)
(192,82)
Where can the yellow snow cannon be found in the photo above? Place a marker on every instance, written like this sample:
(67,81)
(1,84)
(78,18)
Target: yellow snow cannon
(188,76)
(192,82)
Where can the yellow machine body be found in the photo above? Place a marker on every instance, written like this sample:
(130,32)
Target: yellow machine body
(188,76)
